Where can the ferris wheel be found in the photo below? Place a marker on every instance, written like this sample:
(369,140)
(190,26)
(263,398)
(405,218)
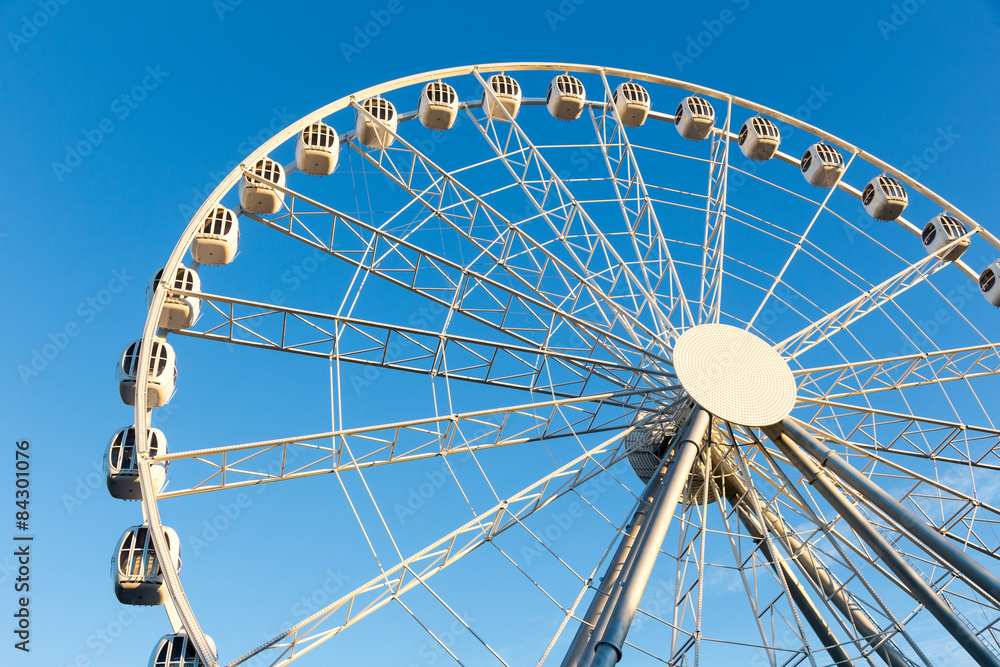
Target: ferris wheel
(570,365)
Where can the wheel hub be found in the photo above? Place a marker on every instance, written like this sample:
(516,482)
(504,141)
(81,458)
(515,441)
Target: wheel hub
(734,375)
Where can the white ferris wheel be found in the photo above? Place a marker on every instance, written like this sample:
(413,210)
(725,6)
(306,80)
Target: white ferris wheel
(569,377)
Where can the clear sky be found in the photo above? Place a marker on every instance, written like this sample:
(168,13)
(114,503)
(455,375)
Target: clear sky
(121,117)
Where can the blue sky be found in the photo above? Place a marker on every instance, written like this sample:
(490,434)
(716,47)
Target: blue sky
(163,97)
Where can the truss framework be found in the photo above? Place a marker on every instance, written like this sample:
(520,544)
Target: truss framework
(618,297)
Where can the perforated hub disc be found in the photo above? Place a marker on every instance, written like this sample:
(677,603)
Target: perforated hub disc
(734,375)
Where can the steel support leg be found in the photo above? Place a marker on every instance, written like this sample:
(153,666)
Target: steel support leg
(616,587)
(919,589)
(800,597)
(908,520)
(616,570)
(601,624)
(824,581)
(608,648)
(735,489)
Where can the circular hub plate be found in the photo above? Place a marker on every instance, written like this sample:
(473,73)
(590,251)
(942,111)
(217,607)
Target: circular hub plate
(734,375)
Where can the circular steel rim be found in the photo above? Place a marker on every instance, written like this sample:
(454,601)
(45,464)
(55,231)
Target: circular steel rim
(178,606)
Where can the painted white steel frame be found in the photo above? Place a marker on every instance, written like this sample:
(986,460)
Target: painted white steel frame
(637,369)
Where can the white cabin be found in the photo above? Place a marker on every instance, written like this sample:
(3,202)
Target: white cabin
(177,650)
(257,195)
(218,240)
(162,373)
(988,283)
(566,97)
(884,198)
(135,569)
(822,165)
(438,106)
(121,464)
(759,139)
(376,133)
(944,231)
(317,150)
(694,118)
(632,103)
(179,311)
(506,98)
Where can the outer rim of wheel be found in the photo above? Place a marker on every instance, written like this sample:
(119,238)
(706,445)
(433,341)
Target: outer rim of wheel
(178,606)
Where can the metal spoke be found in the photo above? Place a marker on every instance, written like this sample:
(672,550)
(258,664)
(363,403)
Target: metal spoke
(437,556)
(449,284)
(798,244)
(835,593)
(935,440)
(840,381)
(852,311)
(371,343)
(638,211)
(918,587)
(248,464)
(570,219)
(502,232)
(713,251)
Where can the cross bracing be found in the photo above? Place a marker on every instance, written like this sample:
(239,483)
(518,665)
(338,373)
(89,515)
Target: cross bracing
(562,262)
